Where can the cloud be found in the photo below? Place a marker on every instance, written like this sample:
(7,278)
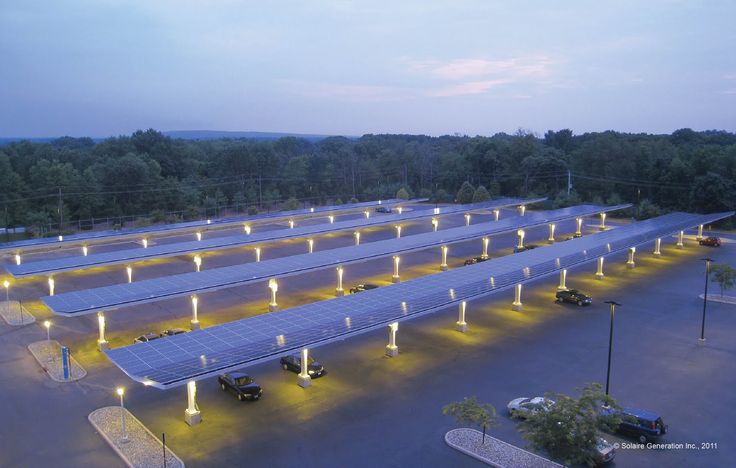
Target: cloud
(470,87)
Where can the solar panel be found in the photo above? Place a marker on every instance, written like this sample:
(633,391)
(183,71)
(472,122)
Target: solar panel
(121,295)
(173,361)
(58,265)
(187,226)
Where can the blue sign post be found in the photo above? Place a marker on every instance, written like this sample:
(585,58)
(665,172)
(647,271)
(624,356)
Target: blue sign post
(65,361)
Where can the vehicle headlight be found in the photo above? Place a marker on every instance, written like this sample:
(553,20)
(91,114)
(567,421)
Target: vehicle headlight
(311,372)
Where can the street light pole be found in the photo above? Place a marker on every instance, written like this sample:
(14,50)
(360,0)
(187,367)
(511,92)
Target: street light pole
(610,344)
(707,261)
(121,392)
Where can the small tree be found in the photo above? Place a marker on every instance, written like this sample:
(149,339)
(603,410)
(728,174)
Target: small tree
(402,194)
(466,192)
(469,411)
(291,204)
(568,429)
(481,195)
(724,275)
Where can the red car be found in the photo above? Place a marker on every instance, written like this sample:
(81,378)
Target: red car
(711,242)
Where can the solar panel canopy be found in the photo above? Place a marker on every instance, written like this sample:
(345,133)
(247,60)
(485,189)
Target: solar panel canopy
(173,361)
(128,294)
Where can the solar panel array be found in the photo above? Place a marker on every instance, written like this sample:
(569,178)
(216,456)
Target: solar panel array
(127,294)
(220,222)
(58,265)
(203,353)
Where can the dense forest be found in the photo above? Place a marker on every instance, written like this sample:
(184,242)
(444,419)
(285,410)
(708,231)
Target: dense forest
(78,182)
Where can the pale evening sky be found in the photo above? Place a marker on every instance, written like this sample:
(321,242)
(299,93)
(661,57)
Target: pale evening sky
(109,67)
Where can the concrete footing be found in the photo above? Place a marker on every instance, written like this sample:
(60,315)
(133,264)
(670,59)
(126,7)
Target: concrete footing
(304,381)
(392,351)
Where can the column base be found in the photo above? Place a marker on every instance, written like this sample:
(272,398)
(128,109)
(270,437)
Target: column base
(273,307)
(392,351)
(657,254)
(443,267)
(630,264)
(396,279)
(517,306)
(192,418)
(701,341)
(680,246)
(484,257)
(561,288)
(339,292)
(461,327)
(304,381)
(550,241)
(194,325)
(599,276)
(103,345)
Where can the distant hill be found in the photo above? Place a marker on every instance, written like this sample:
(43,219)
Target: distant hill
(216,135)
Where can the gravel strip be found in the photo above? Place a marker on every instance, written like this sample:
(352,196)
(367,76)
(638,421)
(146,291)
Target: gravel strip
(15,314)
(142,449)
(495,452)
(48,355)
(719,298)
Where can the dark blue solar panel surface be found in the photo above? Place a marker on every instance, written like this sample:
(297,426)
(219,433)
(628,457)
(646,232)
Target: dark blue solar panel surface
(109,297)
(220,222)
(58,265)
(173,361)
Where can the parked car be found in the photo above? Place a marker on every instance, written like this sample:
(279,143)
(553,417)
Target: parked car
(474,260)
(573,296)
(293,363)
(145,338)
(523,406)
(173,331)
(526,247)
(362,287)
(604,452)
(642,424)
(241,385)
(710,242)
(383,209)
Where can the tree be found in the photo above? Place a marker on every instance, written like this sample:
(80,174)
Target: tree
(568,429)
(469,411)
(724,275)
(465,194)
(402,194)
(291,204)
(481,195)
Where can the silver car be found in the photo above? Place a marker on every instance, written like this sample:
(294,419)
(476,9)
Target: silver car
(523,406)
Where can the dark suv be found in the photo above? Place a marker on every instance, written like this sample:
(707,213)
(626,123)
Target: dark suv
(362,287)
(573,296)
(242,385)
(474,260)
(293,363)
(383,209)
(641,424)
(525,248)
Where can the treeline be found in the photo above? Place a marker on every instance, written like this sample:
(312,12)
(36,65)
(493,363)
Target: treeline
(147,173)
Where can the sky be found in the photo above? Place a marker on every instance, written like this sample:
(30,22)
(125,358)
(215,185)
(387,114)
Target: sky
(109,67)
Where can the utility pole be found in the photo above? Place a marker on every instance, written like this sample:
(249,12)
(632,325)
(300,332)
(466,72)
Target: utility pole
(61,213)
(569,182)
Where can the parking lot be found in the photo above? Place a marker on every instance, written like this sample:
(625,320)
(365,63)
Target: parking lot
(371,410)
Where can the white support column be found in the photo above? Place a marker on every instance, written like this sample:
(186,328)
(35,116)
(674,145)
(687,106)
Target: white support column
(496,214)
(551,237)
(273,285)
(339,291)
(367,214)
(396,278)
(129,271)
(198,262)
(599,269)
(603,222)
(563,278)
(443,265)
(304,379)
(391,349)
(310,245)
(194,323)
(258,254)
(17,259)
(700,232)
(680,239)
(520,234)
(331,218)
(357,237)
(291,224)
(630,262)
(246,229)
(400,209)
(657,246)
(144,241)
(102,343)
(578,226)
(435,224)
(484,254)
(522,210)
(191,414)
(517,305)
(85,250)
(52,285)
(398,231)
(199,235)
(461,325)
(467,219)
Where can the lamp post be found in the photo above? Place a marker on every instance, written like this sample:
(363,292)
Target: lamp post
(121,391)
(610,344)
(47,324)
(707,261)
